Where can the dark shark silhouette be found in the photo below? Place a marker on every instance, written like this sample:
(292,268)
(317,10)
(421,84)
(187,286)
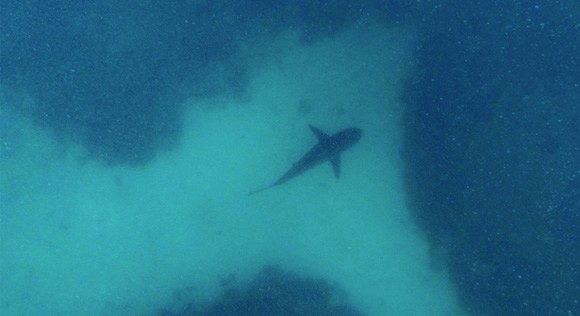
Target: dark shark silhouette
(329,148)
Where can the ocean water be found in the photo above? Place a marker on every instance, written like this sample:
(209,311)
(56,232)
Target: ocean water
(131,135)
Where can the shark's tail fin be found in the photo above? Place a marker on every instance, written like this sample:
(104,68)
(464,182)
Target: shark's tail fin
(260,190)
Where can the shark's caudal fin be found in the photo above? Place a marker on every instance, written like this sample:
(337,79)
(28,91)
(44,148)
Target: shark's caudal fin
(260,190)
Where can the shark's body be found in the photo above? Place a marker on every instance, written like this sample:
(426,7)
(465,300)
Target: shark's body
(329,148)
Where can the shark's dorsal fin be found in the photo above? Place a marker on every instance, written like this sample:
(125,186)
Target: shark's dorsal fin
(319,134)
(335,161)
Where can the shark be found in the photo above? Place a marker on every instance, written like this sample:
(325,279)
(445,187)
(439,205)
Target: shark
(329,148)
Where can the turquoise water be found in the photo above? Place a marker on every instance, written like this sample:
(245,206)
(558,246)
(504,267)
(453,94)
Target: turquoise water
(131,135)
(80,237)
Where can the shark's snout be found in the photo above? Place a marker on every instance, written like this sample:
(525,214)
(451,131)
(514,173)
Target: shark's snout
(351,135)
(357,133)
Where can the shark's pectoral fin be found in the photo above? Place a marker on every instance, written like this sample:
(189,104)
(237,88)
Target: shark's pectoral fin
(335,161)
(319,134)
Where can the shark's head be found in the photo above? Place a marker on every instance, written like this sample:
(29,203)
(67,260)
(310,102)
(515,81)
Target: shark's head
(349,136)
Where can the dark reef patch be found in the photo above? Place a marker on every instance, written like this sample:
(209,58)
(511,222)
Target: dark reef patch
(492,152)
(113,76)
(273,292)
